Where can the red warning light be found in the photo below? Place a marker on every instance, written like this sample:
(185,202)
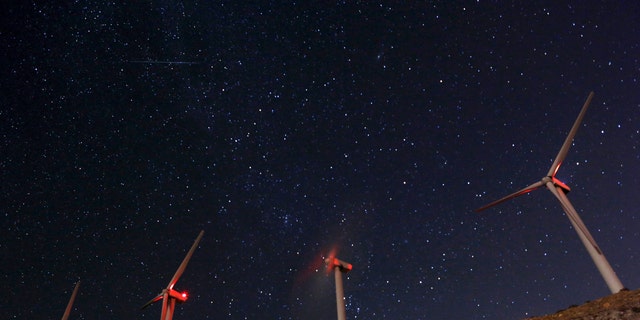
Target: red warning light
(179,296)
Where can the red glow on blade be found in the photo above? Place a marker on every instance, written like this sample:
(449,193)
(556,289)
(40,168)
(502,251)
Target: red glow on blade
(184,295)
(556,169)
(331,260)
(330,265)
(316,265)
(332,253)
(560,184)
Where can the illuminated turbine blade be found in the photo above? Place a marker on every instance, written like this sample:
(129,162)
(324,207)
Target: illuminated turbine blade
(70,304)
(567,142)
(572,214)
(184,263)
(152,301)
(513,195)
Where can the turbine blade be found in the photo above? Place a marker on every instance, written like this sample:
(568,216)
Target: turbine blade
(67,311)
(572,214)
(184,263)
(567,142)
(152,301)
(513,195)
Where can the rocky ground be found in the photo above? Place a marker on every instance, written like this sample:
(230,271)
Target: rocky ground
(624,305)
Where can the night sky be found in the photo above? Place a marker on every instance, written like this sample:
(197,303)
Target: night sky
(288,130)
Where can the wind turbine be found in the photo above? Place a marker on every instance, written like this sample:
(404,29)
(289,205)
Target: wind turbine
(170,296)
(67,311)
(559,190)
(339,267)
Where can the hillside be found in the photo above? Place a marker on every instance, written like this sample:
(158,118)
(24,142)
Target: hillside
(624,305)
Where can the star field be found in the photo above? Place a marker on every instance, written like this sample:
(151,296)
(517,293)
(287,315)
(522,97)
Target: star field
(287,130)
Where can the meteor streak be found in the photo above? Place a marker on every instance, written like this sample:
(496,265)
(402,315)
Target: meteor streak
(163,62)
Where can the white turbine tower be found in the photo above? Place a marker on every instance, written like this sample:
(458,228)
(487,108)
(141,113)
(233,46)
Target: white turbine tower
(339,267)
(559,190)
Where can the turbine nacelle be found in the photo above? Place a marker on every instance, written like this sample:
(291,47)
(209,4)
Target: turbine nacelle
(179,296)
(333,263)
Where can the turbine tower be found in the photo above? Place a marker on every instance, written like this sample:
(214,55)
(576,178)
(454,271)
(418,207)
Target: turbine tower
(170,296)
(559,190)
(339,267)
(67,311)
